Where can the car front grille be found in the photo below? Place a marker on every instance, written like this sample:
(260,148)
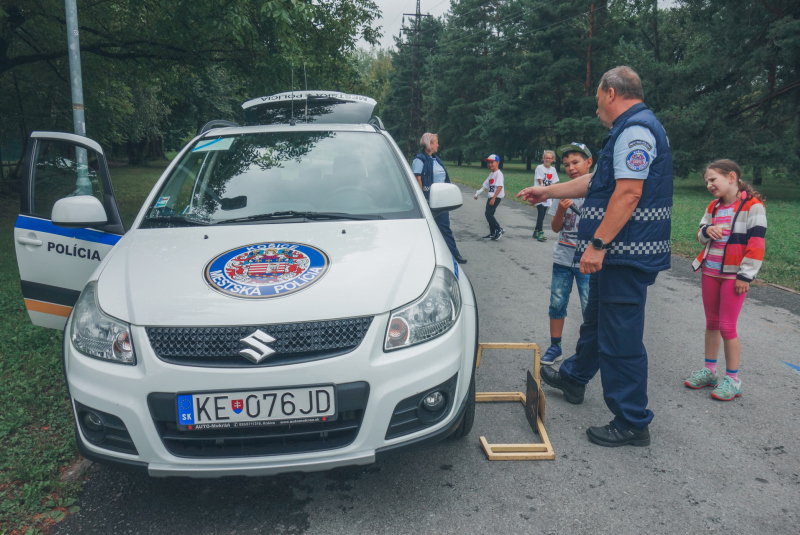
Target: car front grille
(294,342)
(351,399)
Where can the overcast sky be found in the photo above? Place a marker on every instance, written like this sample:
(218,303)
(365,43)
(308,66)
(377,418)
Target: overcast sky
(392,11)
(392,15)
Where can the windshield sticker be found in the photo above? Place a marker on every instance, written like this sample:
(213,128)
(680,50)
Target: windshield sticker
(223,143)
(261,271)
(161,202)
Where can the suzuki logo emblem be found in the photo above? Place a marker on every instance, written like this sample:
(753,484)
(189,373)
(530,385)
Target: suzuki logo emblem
(258,342)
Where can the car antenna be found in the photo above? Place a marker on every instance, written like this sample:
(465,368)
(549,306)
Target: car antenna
(291,123)
(306,77)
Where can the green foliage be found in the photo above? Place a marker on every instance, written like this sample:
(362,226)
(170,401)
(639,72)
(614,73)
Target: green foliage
(155,69)
(516,77)
(375,67)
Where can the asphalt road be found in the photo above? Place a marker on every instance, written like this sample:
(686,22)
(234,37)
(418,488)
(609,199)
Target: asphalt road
(712,467)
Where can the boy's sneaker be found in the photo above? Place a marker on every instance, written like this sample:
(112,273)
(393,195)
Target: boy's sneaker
(498,234)
(702,379)
(488,236)
(551,356)
(541,236)
(727,389)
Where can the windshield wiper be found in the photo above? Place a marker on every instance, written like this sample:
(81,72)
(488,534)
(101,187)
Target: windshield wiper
(178,219)
(305,215)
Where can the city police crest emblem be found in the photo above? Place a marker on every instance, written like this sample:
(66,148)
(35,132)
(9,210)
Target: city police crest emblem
(266,270)
(638,160)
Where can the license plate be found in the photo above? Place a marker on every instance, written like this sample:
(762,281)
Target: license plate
(214,410)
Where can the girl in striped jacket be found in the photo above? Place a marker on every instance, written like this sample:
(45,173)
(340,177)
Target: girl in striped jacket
(732,230)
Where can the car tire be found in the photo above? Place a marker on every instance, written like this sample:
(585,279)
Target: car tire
(465,426)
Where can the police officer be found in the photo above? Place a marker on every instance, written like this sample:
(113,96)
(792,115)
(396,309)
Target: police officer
(623,242)
(428,169)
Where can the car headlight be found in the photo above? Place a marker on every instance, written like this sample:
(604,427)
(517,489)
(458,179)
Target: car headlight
(98,335)
(429,316)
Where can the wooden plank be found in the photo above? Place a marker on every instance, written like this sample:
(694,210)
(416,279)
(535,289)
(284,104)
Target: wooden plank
(507,345)
(518,448)
(545,438)
(499,396)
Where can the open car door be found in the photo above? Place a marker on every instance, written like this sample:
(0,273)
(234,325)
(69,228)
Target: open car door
(56,260)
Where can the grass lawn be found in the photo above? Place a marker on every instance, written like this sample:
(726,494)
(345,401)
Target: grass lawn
(36,430)
(782,259)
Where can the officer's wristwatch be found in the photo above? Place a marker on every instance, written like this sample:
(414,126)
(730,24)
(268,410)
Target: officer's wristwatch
(599,244)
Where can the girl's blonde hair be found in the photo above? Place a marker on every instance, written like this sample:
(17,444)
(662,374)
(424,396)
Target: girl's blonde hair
(729,166)
(550,152)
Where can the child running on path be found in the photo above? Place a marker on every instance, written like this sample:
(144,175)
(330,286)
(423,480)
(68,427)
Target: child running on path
(545,175)
(494,185)
(732,230)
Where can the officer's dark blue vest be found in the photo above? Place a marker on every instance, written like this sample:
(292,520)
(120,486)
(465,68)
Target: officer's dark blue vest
(644,241)
(427,171)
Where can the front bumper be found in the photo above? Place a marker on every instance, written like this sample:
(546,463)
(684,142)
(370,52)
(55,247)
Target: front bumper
(123,392)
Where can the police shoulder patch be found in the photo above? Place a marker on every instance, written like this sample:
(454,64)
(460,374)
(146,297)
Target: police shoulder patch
(637,160)
(266,270)
(642,142)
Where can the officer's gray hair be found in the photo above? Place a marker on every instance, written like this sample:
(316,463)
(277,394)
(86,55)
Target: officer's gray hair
(426,139)
(625,81)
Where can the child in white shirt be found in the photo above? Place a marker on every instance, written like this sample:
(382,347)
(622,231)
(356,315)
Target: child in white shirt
(545,175)
(494,185)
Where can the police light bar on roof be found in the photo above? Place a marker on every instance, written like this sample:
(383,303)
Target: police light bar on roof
(319,107)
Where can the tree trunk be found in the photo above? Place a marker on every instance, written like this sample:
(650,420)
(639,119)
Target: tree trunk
(757,175)
(460,159)
(528,162)
(155,149)
(654,25)
(502,159)
(589,54)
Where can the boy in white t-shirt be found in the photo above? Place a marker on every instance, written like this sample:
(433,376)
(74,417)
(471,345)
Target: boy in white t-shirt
(545,175)
(494,185)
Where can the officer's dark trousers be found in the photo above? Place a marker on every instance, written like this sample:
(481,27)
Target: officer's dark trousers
(443,222)
(494,226)
(611,342)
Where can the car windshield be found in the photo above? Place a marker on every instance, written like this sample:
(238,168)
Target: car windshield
(284,175)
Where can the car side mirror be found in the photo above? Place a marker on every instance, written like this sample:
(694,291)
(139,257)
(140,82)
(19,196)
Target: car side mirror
(444,197)
(79,211)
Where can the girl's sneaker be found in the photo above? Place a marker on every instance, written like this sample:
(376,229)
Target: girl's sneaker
(702,379)
(727,389)
(541,236)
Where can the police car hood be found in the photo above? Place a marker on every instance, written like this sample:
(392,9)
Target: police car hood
(158,276)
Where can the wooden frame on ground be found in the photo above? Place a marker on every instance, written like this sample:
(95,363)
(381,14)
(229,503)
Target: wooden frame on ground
(517,452)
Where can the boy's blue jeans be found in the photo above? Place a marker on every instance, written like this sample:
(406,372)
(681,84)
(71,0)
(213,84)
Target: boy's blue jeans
(561,287)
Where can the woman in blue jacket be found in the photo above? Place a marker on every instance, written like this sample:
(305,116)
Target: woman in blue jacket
(429,169)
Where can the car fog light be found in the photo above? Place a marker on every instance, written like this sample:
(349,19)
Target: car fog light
(433,401)
(92,422)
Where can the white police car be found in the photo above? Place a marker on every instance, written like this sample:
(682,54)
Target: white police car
(283,300)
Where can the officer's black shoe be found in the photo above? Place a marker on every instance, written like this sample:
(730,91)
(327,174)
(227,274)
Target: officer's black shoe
(460,259)
(573,392)
(611,437)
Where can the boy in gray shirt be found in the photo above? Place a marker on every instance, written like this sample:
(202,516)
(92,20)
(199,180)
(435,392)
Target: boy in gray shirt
(577,160)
